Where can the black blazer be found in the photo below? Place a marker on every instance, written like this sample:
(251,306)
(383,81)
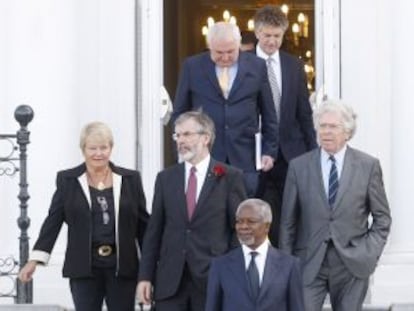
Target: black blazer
(71,205)
(171,240)
(296,131)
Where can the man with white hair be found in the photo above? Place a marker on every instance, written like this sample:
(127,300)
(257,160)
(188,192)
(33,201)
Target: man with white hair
(233,89)
(330,194)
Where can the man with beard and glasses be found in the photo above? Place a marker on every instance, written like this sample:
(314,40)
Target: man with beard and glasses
(255,276)
(192,220)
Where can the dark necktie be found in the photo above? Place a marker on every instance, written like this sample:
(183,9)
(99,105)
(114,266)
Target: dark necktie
(333,181)
(191,192)
(253,276)
(274,86)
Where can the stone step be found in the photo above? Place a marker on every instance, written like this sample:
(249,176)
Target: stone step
(393,307)
(34,307)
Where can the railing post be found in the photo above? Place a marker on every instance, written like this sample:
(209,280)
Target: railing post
(23,114)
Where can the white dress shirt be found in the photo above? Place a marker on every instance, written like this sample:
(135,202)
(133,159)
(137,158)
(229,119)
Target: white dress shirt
(260,259)
(201,173)
(277,69)
(326,166)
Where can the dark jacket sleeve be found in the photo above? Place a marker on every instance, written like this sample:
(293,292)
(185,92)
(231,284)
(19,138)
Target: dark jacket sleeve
(53,223)
(142,211)
(153,235)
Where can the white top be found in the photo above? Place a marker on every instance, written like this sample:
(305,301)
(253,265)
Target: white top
(201,173)
(260,257)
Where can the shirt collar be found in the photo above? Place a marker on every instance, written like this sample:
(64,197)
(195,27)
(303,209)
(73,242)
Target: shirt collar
(261,54)
(261,250)
(201,166)
(339,156)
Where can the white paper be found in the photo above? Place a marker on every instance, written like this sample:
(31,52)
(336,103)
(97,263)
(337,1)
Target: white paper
(258,150)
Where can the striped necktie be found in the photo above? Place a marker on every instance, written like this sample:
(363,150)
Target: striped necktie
(333,182)
(274,86)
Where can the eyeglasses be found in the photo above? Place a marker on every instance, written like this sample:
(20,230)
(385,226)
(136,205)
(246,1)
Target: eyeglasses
(104,208)
(328,126)
(185,135)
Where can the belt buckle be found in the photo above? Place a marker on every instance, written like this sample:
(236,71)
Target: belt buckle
(104,250)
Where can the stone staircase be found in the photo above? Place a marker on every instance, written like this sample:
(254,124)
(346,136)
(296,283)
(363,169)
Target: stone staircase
(394,307)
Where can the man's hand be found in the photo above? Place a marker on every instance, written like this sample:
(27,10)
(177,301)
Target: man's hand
(144,292)
(267,163)
(25,275)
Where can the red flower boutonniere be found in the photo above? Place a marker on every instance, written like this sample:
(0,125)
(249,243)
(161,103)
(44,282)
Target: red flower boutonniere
(219,170)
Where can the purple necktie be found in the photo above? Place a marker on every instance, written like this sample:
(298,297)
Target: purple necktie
(191,192)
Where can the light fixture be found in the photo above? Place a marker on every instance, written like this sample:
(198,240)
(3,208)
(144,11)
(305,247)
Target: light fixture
(226,15)
(210,21)
(285,9)
(250,24)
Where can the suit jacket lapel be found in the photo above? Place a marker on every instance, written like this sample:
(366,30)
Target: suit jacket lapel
(317,175)
(346,175)
(238,269)
(285,79)
(241,73)
(83,181)
(208,184)
(210,70)
(116,186)
(177,185)
(272,267)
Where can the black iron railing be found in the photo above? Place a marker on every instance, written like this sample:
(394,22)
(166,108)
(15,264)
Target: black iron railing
(13,162)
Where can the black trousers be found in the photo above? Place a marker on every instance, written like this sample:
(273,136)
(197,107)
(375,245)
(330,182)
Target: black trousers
(271,187)
(190,296)
(89,293)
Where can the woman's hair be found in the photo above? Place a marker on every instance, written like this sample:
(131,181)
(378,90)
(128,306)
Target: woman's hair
(98,131)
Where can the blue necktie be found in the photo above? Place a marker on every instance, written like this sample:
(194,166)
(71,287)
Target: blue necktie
(333,182)
(253,276)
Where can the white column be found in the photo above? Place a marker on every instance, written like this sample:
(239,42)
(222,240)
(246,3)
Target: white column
(73,62)
(377,79)
(149,82)
(398,270)
(328,48)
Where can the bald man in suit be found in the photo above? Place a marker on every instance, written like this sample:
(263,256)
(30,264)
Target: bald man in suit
(330,195)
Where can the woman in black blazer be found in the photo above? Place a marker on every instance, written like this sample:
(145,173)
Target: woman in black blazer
(103,206)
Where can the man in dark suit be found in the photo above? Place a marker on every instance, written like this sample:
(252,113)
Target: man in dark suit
(232,88)
(255,276)
(192,220)
(290,94)
(330,195)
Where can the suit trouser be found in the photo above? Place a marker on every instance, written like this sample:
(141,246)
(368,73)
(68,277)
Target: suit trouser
(346,292)
(88,293)
(190,296)
(271,187)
